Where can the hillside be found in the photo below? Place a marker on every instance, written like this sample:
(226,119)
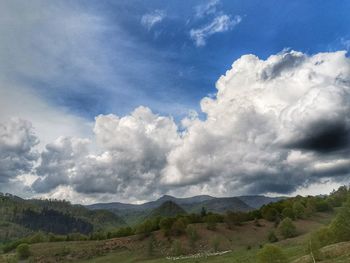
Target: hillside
(242,244)
(167,209)
(20,217)
(257,201)
(289,230)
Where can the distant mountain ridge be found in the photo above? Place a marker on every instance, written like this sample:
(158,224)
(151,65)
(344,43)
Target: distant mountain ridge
(167,209)
(134,213)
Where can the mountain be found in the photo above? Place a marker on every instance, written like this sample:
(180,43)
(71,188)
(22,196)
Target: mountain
(167,209)
(257,201)
(219,205)
(190,204)
(134,214)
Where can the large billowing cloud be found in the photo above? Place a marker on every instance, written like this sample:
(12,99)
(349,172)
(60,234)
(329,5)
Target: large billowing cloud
(273,126)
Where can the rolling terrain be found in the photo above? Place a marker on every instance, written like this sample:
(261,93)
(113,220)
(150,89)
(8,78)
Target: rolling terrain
(134,214)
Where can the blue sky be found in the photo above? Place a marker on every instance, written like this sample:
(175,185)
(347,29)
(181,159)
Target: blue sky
(161,66)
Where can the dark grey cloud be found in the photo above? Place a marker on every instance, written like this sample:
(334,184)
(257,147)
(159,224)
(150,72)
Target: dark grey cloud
(324,137)
(17,154)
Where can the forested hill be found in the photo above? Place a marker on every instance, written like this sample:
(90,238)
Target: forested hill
(19,217)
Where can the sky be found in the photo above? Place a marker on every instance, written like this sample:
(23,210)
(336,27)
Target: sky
(129,100)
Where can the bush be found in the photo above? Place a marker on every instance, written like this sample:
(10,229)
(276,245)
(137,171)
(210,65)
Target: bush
(271,254)
(211,221)
(272,237)
(23,251)
(287,228)
(298,210)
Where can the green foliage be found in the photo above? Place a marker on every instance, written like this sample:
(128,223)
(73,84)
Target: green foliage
(271,254)
(179,227)
(211,221)
(272,237)
(340,226)
(298,210)
(287,228)
(23,251)
(270,213)
(203,212)
(123,232)
(165,225)
(322,205)
(288,212)
(314,243)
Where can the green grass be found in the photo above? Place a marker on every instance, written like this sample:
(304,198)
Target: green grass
(131,249)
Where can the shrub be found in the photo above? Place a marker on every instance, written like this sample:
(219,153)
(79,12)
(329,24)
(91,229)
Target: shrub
(211,221)
(287,228)
(271,254)
(272,237)
(23,251)
(179,227)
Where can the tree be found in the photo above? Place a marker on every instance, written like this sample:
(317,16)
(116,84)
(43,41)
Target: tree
(23,251)
(288,212)
(203,212)
(271,254)
(165,225)
(298,210)
(270,213)
(287,228)
(178,227)
(340,226)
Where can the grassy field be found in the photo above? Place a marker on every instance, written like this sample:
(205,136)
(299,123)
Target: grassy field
(243,242)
